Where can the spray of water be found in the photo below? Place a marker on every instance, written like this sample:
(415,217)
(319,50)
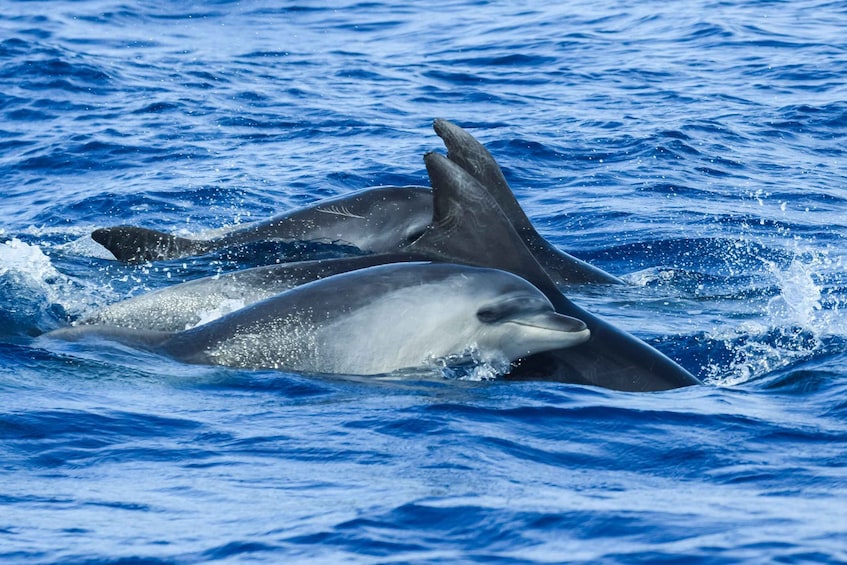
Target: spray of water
(31,274)
(793,326)
(470,365)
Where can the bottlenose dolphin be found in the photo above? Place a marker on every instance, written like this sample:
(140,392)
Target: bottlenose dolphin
(611,358)
(377,220)
(467,227)
(373,321)
(187,304)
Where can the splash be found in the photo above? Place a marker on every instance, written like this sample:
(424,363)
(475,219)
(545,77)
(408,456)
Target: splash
(805,298)
(799,299)
(228,306)
(470,365)
(793,326)
(26,262)
(33,288)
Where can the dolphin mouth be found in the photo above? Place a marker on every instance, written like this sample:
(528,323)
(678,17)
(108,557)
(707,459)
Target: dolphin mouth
(555,322)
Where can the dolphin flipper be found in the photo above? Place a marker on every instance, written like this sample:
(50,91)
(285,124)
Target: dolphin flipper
(464,150)
(132,244)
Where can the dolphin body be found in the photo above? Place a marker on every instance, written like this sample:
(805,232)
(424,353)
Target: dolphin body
(184,305)
(373,321)
(376,220)
(468,226)
(611,358)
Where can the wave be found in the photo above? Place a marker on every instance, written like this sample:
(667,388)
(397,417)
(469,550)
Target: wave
(697,153)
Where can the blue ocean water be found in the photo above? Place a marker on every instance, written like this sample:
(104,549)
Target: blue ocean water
(696,149)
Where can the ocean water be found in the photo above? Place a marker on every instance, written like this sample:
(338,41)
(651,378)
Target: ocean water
(696,149)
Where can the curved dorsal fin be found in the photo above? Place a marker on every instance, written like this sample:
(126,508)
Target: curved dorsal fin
(468,226)
(464,150)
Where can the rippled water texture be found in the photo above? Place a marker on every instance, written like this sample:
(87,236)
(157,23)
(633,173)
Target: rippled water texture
(695,149)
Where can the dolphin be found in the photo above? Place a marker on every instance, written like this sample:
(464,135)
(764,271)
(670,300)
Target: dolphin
(376,220)
(372,321)
(468,227)
(184,305)
(611,358)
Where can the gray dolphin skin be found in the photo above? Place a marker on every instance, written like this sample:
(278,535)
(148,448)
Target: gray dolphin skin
(611,358)
(375,220)
(468,226)
(185,305)
(372,321)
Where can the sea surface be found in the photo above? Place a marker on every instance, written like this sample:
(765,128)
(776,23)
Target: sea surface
(697,149)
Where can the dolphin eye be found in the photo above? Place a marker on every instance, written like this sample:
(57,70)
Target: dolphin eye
(493,313)
(489,314)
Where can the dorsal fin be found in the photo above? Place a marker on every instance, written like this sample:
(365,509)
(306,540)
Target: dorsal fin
(464,150)
(136,245)
(468,226)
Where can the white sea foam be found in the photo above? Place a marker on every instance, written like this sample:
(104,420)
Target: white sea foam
(801,298)
(86,247)
(470,366)
(27,266)
(26,262)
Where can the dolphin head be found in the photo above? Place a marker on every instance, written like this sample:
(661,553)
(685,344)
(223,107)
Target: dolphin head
(503,316)
(524,322)
(419,313)
(455,309)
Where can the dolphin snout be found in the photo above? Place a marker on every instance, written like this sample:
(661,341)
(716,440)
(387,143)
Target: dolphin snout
(571,330)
